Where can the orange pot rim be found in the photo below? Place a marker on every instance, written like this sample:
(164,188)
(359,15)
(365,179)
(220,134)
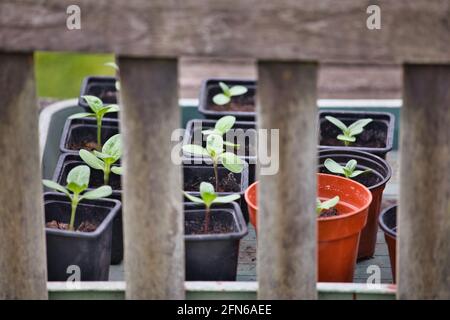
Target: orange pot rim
(356,211)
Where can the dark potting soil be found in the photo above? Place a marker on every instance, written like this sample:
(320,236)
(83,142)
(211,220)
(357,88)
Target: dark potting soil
(97,180)
(85,144)
(328,213)
(85,226)
(373,136)
(367,179)
(228,183)
(195,225)
(243,103)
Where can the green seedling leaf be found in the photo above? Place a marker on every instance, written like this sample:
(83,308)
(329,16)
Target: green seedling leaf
(327,204)
(238,90)
(346,138)
(78,179)
(94,103)
(101,192)
(358,126)
(55,186)
(221,99)
(338,123)
(117,170)
(230,144)
(232,162)
(224,124)
(112,108)
(214,145)
(358,172)
(82,115)
(193,198)
(112,65)
(333,166)
(225,89)
(207,193)
(91,160)
(195,150)
(113,147)
(227,199)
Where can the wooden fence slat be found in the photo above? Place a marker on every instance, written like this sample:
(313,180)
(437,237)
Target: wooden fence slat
(423,270)
(287,266)
(153,218)
(325,30)
(23,273)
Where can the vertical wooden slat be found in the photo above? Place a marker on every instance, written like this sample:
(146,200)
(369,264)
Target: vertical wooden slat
(287,266)
(423,270)
(153,218)
(23,272)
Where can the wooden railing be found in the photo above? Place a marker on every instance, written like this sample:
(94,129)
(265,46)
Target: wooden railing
(289,39)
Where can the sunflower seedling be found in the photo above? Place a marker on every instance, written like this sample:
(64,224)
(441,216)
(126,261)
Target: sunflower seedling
(326,205)
(348,170)
(110,154)
(222,126)
(77,183)
(348,133)
(215,151)
(227,93)
(98,112)
(208,198)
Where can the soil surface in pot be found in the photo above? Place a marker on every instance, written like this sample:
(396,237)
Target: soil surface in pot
(367,179)
(373,136)
(85,144)
(195,225)
(328,213)
(243,103)
(85,226)
(228,183)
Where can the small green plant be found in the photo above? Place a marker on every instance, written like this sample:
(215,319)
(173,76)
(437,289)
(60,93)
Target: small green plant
(98,112)
(222,126)
(348,170)
(327,204)
(115,67)
(110,154)
(77,183)
(209,197)
(348,133)
(215,151)
(227,93)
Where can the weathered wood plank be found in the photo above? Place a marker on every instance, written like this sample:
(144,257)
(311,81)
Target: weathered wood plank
(423,270)
(153,218)
(326,30)
(23,273)
(287,263)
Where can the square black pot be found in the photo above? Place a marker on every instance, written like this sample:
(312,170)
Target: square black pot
(76,132)
(67,162)
(381,129)
(89,252)
(198,170)
(101,87)
(210,87)
(245,130)
(214,257)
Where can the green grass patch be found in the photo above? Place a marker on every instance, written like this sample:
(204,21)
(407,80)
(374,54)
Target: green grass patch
(59,74)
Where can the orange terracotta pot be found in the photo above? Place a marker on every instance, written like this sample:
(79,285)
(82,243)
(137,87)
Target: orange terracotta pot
(338,237)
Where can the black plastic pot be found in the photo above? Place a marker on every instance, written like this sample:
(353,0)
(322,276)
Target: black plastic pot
(375,181)
(67,162)
(388,223)
(197,170)
(214,257)
(101,87)
(88,251)
(210,87)
(243,130)
(79,131)
(377,138)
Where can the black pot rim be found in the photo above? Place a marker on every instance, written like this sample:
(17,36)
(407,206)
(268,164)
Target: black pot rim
(204,96)
(383,226)
(357,154)
(390,130)
(60,197)
(190,125)
(242,226)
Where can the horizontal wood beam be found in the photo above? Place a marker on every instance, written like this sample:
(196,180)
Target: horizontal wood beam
(327,30)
